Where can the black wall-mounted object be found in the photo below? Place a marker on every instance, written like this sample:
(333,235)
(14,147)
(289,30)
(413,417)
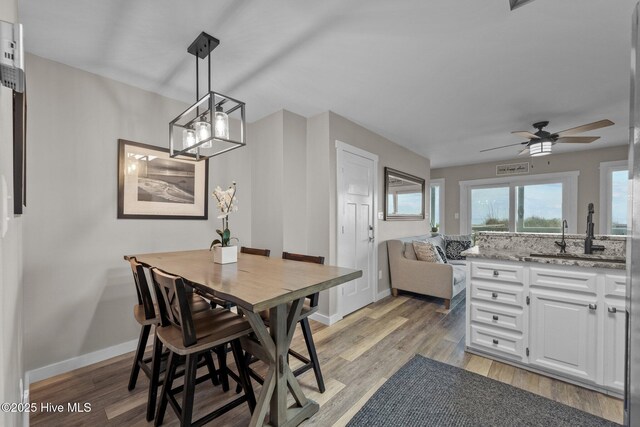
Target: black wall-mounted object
(514,4)
(19,152)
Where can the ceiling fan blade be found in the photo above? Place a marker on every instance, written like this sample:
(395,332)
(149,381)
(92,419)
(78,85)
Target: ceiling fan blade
(524,150)
(504,146)
(578,139)
(525,134)
(585,128)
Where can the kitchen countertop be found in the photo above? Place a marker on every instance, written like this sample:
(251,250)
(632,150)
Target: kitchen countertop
(594,261)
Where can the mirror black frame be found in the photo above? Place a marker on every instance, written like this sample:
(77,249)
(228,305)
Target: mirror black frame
(395,217)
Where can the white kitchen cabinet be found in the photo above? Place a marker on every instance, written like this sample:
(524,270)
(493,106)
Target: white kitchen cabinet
(564,321)
(563,333)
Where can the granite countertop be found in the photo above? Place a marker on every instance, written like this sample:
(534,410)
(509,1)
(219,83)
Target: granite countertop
(550,235)
(588,261)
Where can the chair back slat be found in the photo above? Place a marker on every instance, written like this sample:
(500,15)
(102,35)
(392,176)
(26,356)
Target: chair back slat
(254,251)
(313,299)
(173,305)
(142,289)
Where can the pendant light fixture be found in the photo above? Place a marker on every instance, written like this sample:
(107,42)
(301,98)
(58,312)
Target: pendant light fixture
(203,130)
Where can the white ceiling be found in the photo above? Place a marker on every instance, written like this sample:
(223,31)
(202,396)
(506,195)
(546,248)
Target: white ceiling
(444,78)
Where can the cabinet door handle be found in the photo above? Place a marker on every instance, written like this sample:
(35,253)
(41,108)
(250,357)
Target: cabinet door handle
(612,309)
(494,295)
(495,317)
(495,341)
(496,273)
(593,306)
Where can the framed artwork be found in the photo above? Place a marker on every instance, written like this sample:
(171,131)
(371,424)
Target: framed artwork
(152,185)
(19,152)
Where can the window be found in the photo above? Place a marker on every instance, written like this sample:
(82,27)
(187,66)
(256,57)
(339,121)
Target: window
(614,196)
(523,204)
(490,209)
(436,198)
(539,208)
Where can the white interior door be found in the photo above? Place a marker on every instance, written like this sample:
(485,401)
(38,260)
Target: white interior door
(356,226)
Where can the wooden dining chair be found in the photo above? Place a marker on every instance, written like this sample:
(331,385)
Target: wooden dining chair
(188,337)
(254,251)
(147,315)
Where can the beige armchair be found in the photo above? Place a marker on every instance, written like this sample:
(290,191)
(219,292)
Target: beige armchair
(426,278)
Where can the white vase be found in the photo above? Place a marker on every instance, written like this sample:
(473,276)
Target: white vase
(225,254)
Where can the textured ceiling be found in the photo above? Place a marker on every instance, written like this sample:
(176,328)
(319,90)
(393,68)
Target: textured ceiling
(443,78)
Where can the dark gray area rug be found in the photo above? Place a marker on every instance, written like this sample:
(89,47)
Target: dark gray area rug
(425,392)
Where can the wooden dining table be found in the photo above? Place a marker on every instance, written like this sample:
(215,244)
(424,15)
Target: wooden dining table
(256,283)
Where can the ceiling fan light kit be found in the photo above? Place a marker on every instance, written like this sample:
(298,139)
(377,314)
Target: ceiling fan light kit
(202,130)
(538,149)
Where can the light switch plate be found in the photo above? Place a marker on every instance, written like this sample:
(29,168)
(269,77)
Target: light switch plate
(456,215)
(380,215)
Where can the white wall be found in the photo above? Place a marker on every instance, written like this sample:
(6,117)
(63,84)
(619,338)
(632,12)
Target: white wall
(295,195)
(267,160)
(79,292)
(278,159)
(11,286)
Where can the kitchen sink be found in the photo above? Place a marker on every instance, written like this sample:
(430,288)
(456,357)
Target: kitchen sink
(582,257)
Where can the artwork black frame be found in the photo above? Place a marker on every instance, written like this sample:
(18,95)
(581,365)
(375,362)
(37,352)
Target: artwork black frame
(122,144)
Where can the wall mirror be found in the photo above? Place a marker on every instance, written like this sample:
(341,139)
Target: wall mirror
(403,196)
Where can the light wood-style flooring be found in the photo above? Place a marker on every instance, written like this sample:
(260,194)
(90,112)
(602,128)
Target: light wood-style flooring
(358,354)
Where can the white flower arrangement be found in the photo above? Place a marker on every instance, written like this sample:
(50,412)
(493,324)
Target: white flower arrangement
(227,202)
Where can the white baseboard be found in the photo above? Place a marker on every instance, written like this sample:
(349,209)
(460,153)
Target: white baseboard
(383,294)
(79,362)
(324,319)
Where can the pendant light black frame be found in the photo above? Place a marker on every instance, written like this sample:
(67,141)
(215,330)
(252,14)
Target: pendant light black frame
(201,48)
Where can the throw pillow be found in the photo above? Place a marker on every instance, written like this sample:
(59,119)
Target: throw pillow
(455,247)
(442,254)
(426,252)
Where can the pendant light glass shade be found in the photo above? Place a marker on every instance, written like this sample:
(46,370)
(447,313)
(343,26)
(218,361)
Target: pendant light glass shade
(538,149)
(203,131)
(188,139)
(221,124)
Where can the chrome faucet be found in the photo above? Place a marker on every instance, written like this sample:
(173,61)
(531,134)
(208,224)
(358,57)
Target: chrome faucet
(563,243)
(589,247)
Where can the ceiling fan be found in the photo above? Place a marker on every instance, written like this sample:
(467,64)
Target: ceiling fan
(540,143)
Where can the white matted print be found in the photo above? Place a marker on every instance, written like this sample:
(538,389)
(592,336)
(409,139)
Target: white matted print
(153,185)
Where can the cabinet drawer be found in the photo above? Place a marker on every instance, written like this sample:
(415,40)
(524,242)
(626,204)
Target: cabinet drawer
(570,280)
(496,315)
(497,272)
(615,285)
(495,341)
(497,293)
